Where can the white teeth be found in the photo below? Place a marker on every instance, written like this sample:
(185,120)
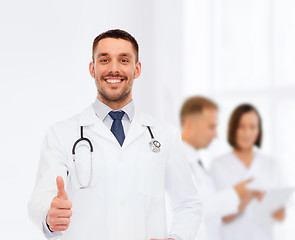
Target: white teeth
(113,80)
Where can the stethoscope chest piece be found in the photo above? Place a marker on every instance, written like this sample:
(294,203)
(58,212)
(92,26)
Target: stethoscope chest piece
(155,146)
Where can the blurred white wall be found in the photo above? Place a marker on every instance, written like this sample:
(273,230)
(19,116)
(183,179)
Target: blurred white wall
(232,51)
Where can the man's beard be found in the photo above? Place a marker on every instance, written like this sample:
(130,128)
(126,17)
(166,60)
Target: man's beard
(114,98)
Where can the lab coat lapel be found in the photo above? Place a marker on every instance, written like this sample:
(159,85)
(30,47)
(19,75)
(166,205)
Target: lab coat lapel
(137,127)
(89,119)
(101,129)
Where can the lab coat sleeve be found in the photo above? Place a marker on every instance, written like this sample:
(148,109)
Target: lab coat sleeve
(184,198)
(222,203)
(52,164)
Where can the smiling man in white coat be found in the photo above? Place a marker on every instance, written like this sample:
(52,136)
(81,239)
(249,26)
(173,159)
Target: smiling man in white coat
(111,183)
(199,121)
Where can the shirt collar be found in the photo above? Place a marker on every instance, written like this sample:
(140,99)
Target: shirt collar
(101,110)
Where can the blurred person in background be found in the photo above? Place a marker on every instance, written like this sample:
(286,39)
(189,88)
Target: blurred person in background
(199,121)
(244,161)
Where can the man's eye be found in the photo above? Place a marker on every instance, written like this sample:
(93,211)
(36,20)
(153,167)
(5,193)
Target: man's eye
(124,60)
(103,60)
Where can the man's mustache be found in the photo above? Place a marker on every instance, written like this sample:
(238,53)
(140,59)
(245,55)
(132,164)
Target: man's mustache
(124,77)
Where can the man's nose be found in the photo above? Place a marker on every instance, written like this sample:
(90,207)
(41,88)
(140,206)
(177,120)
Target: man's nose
(114,67)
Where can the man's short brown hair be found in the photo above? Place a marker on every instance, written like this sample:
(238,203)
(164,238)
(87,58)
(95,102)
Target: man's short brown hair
(235,120)
(117,34)
(194,105)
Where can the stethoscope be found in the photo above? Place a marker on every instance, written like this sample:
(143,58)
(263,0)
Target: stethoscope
(155,146)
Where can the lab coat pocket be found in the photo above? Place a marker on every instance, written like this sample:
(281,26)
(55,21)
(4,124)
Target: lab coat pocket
(151,175)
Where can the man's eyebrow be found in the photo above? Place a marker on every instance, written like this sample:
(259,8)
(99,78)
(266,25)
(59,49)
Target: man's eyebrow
(102,54)
(125,54)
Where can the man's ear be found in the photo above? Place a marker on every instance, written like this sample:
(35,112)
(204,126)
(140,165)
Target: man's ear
(137,69)
(91,69)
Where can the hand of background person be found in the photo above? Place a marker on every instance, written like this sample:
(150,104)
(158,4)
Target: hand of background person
(245,195)
(243,192)
(244,203)
(279,215)
(258,195)
(58,216)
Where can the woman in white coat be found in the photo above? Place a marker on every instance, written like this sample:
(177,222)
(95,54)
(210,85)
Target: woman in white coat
(244,161)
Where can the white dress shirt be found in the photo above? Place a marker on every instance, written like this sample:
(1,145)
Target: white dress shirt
(102,112)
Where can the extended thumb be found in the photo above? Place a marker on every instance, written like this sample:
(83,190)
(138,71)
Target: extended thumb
(61,193)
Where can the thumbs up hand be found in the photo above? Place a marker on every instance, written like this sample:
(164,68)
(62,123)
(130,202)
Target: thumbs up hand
(58,217)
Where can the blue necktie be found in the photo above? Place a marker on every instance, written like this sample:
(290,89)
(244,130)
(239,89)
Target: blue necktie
(117,127)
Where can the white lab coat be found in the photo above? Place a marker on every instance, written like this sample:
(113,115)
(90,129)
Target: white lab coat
(127,197)
(228,170)
(216,203)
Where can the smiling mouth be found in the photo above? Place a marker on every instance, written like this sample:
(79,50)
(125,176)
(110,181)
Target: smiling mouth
(111,80)
(114,79)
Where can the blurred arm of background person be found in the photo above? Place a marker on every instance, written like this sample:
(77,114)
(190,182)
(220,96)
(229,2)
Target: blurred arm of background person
(246,196)
(218,204)
(199,120)
(278,215)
